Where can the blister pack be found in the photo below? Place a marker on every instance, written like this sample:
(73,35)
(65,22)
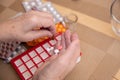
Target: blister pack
(7,48)
(46,7)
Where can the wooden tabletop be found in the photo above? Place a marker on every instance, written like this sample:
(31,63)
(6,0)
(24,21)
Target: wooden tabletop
(99,45)
(100,25)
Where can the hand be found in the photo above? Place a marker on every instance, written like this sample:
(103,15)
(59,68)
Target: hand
(23,28)
(60,65)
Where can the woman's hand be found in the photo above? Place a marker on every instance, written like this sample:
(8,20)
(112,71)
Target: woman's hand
(58,66)
(27,27)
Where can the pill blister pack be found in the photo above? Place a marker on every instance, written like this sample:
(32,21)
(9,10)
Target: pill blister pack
(6,48)
(19,50)
(9,50)
(27,63)
(29,4)
(46,7)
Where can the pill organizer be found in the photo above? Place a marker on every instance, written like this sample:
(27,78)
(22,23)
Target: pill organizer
(6,48)
(27,63)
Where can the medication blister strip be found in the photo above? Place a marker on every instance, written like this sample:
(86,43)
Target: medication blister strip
(46,7)
(20,49)
(28,5)
(7,48)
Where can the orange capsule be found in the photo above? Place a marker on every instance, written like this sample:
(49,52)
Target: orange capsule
(57,25)
(30,44)
(36,40)
(45,37)
(60,26)
(63,29)
(59,30)
(39,40)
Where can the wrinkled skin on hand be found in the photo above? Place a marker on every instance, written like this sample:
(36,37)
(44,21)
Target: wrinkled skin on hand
(23,28)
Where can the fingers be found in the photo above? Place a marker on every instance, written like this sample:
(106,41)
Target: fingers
(63,42)
(74,36)
(72,45)
(67,38)
(73,51)
(41,19)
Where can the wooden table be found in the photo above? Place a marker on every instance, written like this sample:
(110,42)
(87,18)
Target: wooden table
(99,44)
(96,24)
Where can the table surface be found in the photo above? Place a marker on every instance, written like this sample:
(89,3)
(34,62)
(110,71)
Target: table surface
(99,44)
